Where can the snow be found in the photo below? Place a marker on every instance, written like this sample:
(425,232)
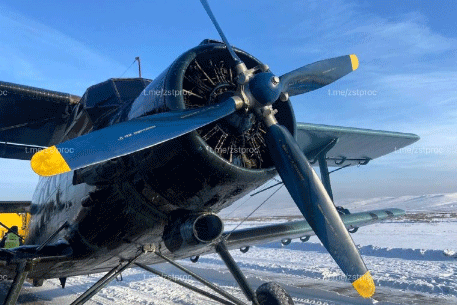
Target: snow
(411,204)
(413,261)
(433,203)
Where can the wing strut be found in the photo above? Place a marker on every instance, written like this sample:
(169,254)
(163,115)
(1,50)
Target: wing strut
(321,157)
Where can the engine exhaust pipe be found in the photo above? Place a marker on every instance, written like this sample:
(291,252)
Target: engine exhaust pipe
(191,231)
(202,229)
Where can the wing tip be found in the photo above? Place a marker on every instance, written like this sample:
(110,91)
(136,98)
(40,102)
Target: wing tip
(49,162)
(365,285)
(354,62)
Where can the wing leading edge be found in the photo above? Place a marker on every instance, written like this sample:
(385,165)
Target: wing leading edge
(295,229)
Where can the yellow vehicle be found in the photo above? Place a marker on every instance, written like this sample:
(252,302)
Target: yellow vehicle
(20,219)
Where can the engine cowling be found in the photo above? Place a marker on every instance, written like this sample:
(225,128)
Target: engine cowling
(204,76)
(216,164)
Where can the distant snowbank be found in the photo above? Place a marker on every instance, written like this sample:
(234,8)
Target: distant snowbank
(370,250)
(442,203)
(432,203)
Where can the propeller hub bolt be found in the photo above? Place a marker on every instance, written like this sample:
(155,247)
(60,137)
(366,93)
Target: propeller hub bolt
(242,79)
(284,96)
(275,80)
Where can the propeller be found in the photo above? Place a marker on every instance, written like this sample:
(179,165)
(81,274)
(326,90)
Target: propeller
(313,201)
(318,74)
(221,33)
(300,179)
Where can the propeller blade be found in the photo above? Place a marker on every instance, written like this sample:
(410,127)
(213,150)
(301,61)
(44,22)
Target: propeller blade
(125,138)
(219,30)
(318,74)
(312,199)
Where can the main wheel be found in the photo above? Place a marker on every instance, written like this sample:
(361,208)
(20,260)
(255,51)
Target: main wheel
(273,294)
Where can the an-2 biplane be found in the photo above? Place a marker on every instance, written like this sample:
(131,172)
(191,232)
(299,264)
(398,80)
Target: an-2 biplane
(134,171)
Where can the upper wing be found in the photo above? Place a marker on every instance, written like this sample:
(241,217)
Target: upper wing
(352,146)
(31,118)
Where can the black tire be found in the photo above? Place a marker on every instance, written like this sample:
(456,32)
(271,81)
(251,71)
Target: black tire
(37,282)
(273,294)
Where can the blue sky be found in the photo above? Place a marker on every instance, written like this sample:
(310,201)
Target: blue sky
(407,53)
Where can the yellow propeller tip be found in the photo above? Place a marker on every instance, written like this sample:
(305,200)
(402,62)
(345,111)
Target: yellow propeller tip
(365,285)
(49,162)
(354,62)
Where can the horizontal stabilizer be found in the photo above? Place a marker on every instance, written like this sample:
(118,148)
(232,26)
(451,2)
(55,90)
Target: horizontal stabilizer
(43,257)
(15,206)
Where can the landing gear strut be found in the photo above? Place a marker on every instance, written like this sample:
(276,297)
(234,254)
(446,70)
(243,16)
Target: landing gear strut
(16,286)
(100,284)
(221,249)
(266,294)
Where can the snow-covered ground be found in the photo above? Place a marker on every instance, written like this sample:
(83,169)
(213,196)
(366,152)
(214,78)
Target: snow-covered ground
(413,261)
